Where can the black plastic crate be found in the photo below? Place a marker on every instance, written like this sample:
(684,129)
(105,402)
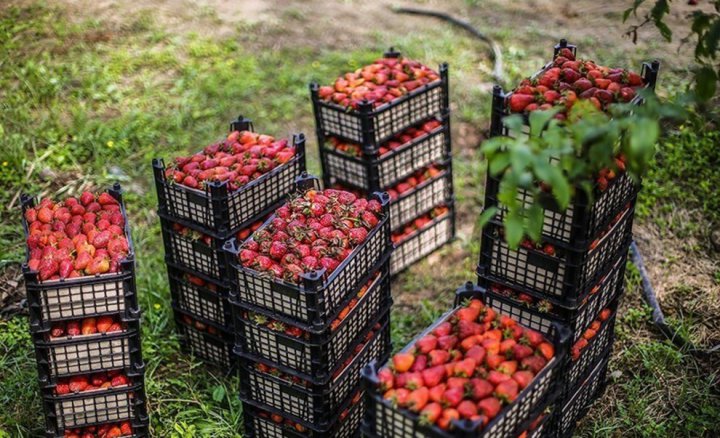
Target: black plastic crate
(568,412)
(200,295)
(82,354)
(116,404)
(423,242)
(314,356)
(597,349)
(260,423)
(374,172)
(649,72)
(214,347)
(564,278)
(584,219)
(195,250)
(374,126)
(224,211)
(383,419)
(66,299)
(313,304)
(307,402)
(541,315)
(419,200)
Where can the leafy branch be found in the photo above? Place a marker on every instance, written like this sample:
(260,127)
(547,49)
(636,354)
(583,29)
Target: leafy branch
(561,158)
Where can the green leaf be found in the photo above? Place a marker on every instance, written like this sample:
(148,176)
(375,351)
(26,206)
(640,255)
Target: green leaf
(712,38)
(218,393)
(665,31)
(538,120)
(492,145)
(705,83)
(513,229)
(498,164)
(514,123)
(560,187)
(520,156)
(486,215)
(535,219)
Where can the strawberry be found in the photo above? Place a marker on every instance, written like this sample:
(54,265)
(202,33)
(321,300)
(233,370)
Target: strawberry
(447,417)
(523,378)
(508,367)
(547,350)
(489,407)
(464,368)
(467,409)
(418,399)
(413,380)
(73,328)
(402,362)
(86,198)
(495,377)
(477,353)
(479,388)
(386,379)
(443,329)
(438,357)
(78,383)
(467,314)
(507,390)
(62,388)
(605,314)
(518,102)
(426,344)
(434,375)
(521,351)
(430,413)
(533,338)
(447,342)
(452,397)
(533,363)
(125,428)
(420,364)
(104,323)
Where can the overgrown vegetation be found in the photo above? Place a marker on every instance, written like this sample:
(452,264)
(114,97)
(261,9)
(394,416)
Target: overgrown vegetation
(85,103)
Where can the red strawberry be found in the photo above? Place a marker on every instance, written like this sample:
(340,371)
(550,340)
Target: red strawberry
(447,342)
(418,399)
(402,362)
(467,409)
(507,390)
(439,357)
(508,367)
(86,198)
(430,413)
(495,377)
(433,376)
(453,396)
(420,364)
(523,378)
(467,328)
(533,363)
(78,383)
(476,353)
(106,198)
(62,388)
(605,314)
(464,368)
(357,235)
(547,350)
(447,417)
(386,379)
(479,388)
(443,329)
(518,102)
(104,323)
(489,407)
(467,314)
(413,380)
(119,381)
(533,338)
(426,344)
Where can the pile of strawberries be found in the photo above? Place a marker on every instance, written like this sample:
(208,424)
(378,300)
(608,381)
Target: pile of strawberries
(397,142)
(112,430)
(86,326)
(589,333)
(468,367)
(399,236)
(569,80)
(91,382)
(197,281)
(243,157)
(199,325)
(317,230)
(76,237)
(414,180)
(379,83)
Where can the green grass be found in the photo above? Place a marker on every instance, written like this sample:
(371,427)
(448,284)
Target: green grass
(83,104)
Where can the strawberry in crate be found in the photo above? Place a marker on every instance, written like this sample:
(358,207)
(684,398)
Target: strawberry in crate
(112,430)
(381,82)
(76,237)
(471,370)
(568,80)
(314,231)
(242,157)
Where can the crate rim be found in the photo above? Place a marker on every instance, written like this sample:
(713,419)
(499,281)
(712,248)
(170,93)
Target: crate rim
(126,265)
(94,337)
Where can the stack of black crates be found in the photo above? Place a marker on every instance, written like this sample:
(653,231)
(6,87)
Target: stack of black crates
(63,358)
(196,223)
(381,168)
(574,277)
(301,346)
